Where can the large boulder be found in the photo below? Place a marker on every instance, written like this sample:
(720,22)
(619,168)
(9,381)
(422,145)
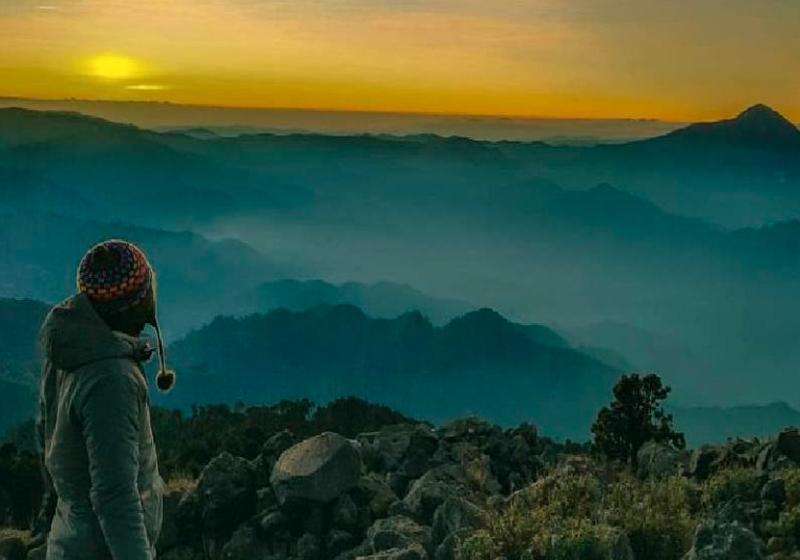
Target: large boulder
(226,492)
(723,540)
(319,469)
(658,460)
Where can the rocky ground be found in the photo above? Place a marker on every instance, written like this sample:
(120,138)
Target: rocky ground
(413,492)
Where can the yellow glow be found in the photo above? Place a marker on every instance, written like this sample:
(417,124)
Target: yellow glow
(114,67)
(147,87)
(679,60)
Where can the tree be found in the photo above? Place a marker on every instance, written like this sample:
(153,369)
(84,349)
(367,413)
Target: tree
(635,417)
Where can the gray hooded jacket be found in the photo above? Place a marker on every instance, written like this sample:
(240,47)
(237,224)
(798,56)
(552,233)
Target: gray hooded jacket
(98,443)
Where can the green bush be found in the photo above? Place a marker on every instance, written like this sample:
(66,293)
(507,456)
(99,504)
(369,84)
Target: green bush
(582,516)
(729,483)
(791,480)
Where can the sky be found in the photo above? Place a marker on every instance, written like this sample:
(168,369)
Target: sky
(677,60)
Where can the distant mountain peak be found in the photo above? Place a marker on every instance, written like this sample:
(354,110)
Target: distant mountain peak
(764,117)
(759,126)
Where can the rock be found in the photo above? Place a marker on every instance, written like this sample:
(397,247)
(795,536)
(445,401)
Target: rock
(719,540)
(774,491)
(373,494)
(402,448)
(39,553)
(453,516)
(308,547)
(397,532)
(788,444)
(433,488)
(318,469)
(658,461)
(447,549)
(337,542)
(181,552)
(12,546)
(270,452)
(227,493)
(702,462)
(188,517)
(775,545)
(266,499)
(170,535)
(245,545)
(315,518)
(413,552)
(273,522)
(345,513)
(620,547)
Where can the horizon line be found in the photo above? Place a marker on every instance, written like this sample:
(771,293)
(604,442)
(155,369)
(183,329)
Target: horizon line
(486,116)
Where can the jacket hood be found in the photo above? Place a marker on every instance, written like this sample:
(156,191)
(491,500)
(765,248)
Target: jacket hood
(73,335)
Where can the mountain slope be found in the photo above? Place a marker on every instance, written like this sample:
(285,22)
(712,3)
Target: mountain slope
(381,299)
(478,363)
(758,127)
(198,278)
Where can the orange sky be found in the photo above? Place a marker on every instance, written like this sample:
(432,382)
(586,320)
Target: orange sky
(670,59)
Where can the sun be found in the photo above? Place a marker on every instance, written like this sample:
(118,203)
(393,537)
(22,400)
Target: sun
(114,67)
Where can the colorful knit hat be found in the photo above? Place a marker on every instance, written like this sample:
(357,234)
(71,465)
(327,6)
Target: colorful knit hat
(117,274)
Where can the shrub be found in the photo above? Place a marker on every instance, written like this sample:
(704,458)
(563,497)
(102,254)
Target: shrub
(791,479)
(729,483)
(578,516)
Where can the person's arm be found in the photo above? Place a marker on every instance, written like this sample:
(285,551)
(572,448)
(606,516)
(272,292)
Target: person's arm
(41,525)
(110,421)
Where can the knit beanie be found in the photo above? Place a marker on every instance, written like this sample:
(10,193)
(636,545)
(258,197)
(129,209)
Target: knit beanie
(117,275)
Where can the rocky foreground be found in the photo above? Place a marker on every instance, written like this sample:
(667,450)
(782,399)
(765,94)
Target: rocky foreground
(475,491)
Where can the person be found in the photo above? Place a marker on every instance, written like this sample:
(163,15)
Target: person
(99,454)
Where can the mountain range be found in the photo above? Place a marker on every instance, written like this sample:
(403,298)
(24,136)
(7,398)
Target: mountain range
(658,235)
(478,363)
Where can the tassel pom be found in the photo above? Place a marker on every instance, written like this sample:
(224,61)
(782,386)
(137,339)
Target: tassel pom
(165,380)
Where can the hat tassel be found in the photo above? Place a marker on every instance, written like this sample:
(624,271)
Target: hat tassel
(165,378)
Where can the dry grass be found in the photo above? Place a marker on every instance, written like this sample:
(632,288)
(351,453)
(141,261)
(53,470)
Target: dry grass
(181,482)
(10,533)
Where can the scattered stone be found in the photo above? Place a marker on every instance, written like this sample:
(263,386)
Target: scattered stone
(180,552)
(308,547)
(338,541)
(719,540)
(318,469)
(774,491)
(227,493)
(245,545)
(398,532)
(170,535)
(658,461)
(273,522)
(433,488)
(373,494)
(413,552)
(788,444)
(453,516)
(702,462)
(345,513)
